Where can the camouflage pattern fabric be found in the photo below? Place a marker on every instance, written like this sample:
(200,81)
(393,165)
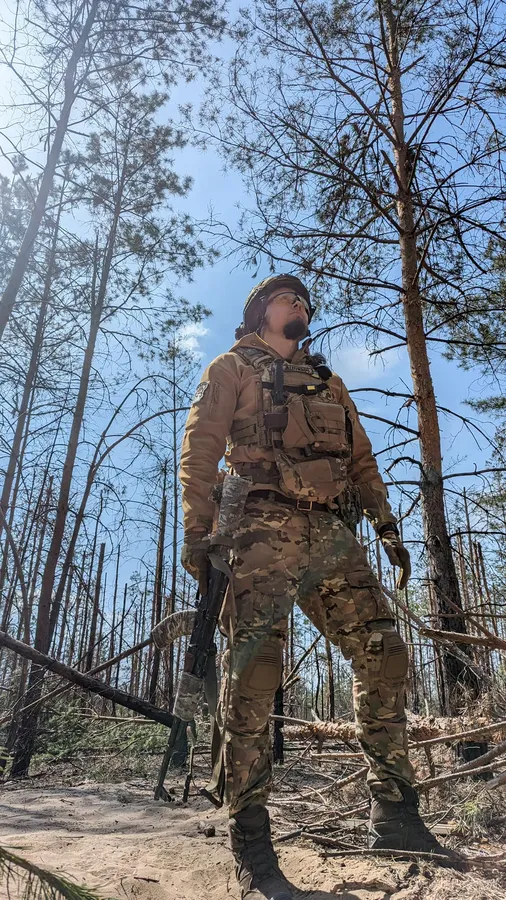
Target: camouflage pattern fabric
(286,556)
(173,627)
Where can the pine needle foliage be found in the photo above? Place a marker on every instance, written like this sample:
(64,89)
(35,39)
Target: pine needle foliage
(24,880)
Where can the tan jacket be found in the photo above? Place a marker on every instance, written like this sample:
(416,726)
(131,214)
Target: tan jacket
(226,419)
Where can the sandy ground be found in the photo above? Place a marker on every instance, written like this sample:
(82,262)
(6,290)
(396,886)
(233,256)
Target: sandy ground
(118,840)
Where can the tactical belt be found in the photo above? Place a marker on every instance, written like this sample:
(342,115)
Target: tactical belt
(304,505)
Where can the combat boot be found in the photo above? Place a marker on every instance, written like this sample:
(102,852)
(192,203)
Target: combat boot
(399,826)
(256,864)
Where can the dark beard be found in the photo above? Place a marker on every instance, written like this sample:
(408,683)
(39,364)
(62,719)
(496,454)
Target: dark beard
(295,329)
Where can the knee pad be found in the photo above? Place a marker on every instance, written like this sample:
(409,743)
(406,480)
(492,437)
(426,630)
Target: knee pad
(261,676)
(387,653)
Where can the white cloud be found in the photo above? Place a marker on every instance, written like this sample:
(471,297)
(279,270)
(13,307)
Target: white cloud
(357,367)
(188,338)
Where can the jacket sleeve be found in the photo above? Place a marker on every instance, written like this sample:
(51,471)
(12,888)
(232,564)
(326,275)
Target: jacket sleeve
(205,439)
(364,470)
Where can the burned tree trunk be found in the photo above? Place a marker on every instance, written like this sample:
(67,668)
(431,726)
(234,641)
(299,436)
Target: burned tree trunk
(279,740)
(95,609)
(157,599)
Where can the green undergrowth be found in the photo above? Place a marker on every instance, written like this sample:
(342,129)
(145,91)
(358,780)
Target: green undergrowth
(102,748)
(482,816)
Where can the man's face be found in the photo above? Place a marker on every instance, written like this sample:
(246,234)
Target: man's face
(288,314)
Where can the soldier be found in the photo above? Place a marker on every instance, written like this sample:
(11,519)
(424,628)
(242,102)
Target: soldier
(289,425)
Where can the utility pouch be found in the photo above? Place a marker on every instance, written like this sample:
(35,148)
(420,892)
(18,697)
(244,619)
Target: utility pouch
(311,479)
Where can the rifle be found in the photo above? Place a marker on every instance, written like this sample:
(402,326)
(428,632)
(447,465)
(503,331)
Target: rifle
(201,648)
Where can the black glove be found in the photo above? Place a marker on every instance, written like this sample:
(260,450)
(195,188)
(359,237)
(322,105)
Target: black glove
(398,556)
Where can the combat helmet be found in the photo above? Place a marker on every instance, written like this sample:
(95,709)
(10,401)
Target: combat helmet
(256,301)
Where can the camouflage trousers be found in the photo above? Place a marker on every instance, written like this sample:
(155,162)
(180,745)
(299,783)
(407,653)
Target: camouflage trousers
(285,556)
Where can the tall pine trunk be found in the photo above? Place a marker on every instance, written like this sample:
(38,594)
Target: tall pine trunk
(441,565)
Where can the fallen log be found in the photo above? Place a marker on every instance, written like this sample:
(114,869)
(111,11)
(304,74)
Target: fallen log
(57,692)
(94,685)
(163,634)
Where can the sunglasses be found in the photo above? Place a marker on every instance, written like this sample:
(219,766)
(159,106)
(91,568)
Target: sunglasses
(290,297)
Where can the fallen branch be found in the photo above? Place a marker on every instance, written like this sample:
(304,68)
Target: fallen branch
(338,783)
(119,720)
(484,758)
(461,735)
(493,642)
(324,841)
(422,786)
(288,835)
(331,757)
(163,634)
(405,854)
(462,863)
(94,685)
(345,814)
(290,720)
(474,767)
(351,813)
(450,645)
(298,759)
(496,782)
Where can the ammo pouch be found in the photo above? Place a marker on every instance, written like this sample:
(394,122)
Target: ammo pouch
(312,461)
(319,425)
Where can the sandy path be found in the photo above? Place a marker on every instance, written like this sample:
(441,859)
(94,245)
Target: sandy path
(116,839)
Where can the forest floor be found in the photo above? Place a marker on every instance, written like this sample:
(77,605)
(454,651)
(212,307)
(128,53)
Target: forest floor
(114,837)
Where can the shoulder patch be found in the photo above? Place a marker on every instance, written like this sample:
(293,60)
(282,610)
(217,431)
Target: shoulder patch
(199,393)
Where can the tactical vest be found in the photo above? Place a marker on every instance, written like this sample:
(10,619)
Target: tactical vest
(299,419)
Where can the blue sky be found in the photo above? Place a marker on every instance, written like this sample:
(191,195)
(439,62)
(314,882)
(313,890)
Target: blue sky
(224,287)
